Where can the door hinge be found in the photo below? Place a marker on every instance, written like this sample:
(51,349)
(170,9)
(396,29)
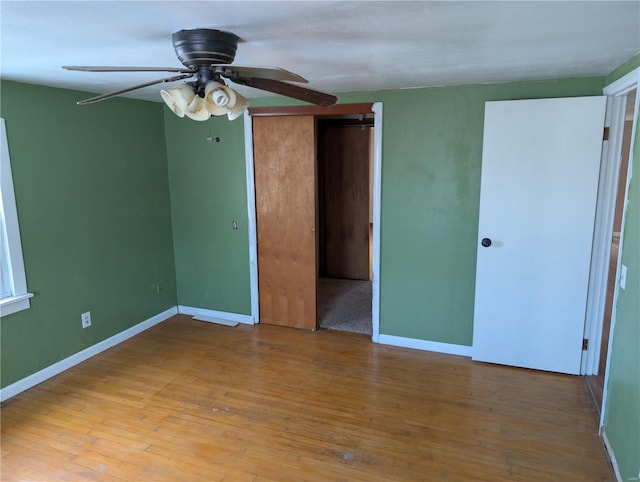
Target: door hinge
(585,344)
(605,134)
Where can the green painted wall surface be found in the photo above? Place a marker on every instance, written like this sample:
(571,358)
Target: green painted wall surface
(432,157)
(622,415)
(208,193)
(93,204)
(432,154)
(624,69)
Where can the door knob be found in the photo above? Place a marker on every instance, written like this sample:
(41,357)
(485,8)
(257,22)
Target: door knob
(486,242)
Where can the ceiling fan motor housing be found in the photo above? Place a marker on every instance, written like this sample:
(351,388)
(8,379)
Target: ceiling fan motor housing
(202,47)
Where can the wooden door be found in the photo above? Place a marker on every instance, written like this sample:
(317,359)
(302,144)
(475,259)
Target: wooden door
(284,165)
(540,167)
(345,159)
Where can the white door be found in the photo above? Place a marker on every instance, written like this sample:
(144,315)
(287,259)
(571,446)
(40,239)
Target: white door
(540,166)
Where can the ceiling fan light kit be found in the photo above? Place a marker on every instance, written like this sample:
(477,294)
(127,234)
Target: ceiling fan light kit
(218,100)
(207,55)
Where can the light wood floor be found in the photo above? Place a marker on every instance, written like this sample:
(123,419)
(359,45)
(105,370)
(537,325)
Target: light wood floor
(188,400)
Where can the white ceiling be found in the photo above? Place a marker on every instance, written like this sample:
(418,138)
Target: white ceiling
(339,46)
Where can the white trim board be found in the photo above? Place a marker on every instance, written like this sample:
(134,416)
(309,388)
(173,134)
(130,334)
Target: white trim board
(377,203)
(251,209)
(213,314)
(624,84)
(620,87)
(13,267)
(251,212)
(58,367)
(425,345)
(605,210)
(217,321)
(612,456)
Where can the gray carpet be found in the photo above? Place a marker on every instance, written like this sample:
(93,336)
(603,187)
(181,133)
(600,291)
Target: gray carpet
(345,305)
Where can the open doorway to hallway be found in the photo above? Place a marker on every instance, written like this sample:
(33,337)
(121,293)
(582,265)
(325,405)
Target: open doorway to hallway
(596,382)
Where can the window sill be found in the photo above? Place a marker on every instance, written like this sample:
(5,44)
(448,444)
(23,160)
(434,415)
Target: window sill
(13,304)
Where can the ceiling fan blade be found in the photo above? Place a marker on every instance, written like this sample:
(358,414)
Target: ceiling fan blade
(128,89)
(85,68)
(289,90)
(273,73)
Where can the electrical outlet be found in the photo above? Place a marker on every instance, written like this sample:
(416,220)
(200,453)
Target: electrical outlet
(160,287)
(86,319)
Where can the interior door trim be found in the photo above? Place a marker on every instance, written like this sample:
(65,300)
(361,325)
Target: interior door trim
(376,109)
(594,320)
(338,109)
(610,163)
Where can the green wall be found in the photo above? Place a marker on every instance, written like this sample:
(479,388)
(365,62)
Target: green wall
(432,152)
(93,205)
(208,193)
(622,415)
(624,69)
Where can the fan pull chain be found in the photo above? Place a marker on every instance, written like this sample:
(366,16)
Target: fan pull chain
(210,137)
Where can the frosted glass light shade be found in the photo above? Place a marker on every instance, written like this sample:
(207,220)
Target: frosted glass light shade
(197,109)
(238,109)
(178,98)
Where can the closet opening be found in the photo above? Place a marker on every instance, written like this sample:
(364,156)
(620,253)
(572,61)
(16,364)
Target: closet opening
(345,221)
(313,197)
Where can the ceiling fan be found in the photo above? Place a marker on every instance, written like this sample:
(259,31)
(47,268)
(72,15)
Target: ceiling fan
(207,55)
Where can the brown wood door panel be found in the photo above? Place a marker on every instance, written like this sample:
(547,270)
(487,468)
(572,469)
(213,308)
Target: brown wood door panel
(284,166)
(346,159)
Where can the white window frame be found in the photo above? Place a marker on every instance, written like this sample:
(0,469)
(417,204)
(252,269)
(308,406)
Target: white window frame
(12,259)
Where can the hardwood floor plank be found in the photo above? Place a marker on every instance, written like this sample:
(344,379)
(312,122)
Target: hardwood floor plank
(187,400)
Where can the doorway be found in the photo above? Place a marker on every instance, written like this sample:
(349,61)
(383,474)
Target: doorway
(345,222)
(342,112)
(596,381)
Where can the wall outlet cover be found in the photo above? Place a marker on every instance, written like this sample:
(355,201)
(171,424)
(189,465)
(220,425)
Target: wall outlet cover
(86,319)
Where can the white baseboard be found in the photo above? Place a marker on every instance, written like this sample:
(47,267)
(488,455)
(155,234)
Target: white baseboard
(217,321)
(425,345)
(611,454)
(220,315)
(58,367)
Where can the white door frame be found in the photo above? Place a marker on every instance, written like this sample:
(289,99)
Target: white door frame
(603,227)
(251,208)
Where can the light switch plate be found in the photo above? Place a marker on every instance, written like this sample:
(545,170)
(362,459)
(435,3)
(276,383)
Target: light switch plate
(623,277)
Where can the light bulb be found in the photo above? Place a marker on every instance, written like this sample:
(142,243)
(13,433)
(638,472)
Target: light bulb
(220,98)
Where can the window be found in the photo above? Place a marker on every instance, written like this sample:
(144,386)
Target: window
(13,282)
